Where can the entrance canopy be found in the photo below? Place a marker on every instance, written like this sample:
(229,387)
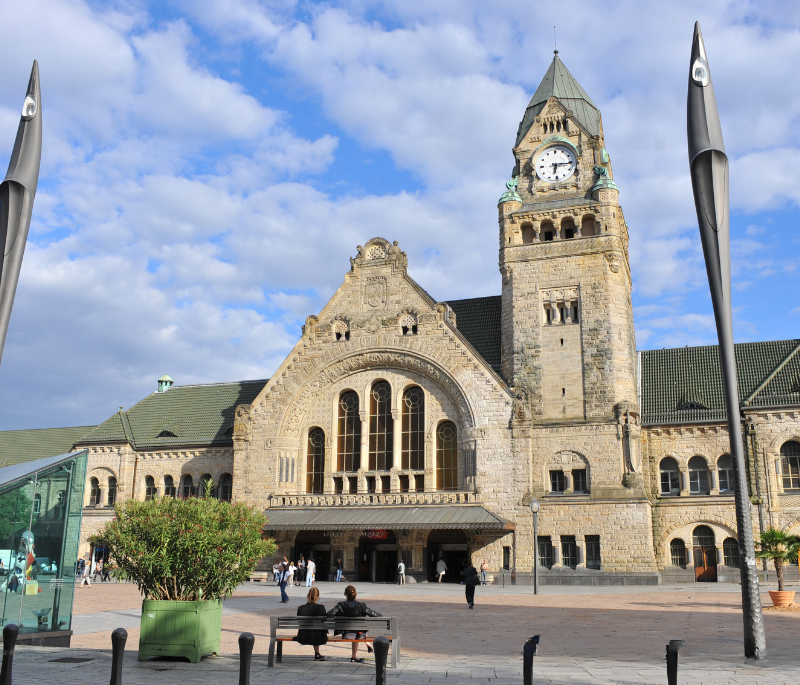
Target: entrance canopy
(412,517)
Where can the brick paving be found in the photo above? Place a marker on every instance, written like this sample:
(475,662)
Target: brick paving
(588,635)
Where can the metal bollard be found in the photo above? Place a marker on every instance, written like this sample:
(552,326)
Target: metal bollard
(381,647)
(118,639)
(528,652)
(672,661)
(246,642)
(10,633)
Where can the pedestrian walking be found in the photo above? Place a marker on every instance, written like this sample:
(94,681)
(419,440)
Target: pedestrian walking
(441,568)
(98,571)
(401,573)
(301,569)
(314,638)
(290,576)
(469,576)
(338,570)
(352,609)
(311,569)
(276,572)
(484,571)
(283,575)
(86,579)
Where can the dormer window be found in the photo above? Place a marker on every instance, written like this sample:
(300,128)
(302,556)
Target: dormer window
(167,433)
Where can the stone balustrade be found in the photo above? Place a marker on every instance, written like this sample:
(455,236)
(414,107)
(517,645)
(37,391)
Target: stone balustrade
(374,499)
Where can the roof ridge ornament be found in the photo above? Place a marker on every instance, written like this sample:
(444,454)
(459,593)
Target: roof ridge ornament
(511,194)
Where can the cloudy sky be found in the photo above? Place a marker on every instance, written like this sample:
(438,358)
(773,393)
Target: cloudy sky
(210,165)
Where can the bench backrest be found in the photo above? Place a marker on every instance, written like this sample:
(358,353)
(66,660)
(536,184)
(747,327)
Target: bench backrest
(343,623)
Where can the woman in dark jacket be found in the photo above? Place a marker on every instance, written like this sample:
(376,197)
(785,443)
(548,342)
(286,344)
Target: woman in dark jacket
(352,609)
(470,578)
(312,637)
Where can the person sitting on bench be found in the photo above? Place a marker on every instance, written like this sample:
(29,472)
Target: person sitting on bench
(352,609)
(314,638)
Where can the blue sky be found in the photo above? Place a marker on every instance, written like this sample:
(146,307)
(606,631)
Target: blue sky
(209,167)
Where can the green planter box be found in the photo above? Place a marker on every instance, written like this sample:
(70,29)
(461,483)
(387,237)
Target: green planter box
(188,629)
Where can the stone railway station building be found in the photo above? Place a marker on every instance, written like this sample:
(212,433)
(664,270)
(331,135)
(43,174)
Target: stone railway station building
(400,426)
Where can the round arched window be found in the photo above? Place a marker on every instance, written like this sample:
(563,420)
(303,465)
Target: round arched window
(698,476)
(670,477)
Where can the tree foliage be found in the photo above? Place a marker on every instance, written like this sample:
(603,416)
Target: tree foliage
(185,549)
(15,508)
(781,547)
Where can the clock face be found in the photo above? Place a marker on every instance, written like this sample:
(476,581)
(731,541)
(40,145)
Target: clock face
(555,164)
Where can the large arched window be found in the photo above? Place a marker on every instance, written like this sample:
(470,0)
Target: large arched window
(225,487)
(703,536)
(315,462)
(725,473)
(187,487)
(413,428)
(670,477)
(381,427)
(446,456)
(149,488)
(790,464)
(94,492)
(169,487)
(348,450)
(112,491)
(730,552)
(677,552)
(698,476)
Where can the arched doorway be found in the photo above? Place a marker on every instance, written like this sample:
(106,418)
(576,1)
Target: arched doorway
(313,544)
(450,546)
(705,555)
(377,556)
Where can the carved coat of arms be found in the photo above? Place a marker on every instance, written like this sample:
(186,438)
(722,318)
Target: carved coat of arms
(375,291)
(614,261)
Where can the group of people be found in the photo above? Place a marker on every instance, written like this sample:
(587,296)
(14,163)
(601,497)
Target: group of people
(286,573)
(87,575)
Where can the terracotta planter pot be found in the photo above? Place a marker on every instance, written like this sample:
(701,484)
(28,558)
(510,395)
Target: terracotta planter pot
(781,599)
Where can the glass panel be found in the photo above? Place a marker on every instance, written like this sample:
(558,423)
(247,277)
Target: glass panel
(677,549)
(730,552)
(413,456)
(569,551)
(446,456)
(579,481)
(593,552)
(703,536)
(349,438)
(381,427)
(315,463)
(556,481)
(169,487)
(39,550)
(545,552)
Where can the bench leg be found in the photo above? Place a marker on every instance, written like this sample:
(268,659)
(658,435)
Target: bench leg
(279,657)
(270,660)
(395,651)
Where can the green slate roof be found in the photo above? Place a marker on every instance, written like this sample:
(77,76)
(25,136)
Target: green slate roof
(17,447)
(559,83)
(182,416)
(684,385)
(478,320)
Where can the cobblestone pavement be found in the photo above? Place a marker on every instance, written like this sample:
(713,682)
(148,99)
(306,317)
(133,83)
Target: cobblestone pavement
(588,635)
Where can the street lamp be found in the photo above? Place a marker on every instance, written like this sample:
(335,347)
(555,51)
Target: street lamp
(535,506)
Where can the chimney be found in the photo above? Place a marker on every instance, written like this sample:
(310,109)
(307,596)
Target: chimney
(164,383)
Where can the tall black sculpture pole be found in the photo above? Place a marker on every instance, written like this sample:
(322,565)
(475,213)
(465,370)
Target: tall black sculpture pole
(709,168)
(16,198)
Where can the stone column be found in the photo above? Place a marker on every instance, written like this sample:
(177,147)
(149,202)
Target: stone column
(537,227)
(397,442)
(364,441)
(720,555)
(713,488)
(568,482)
(556,551)
(580,541)
(684,482)
(689,556)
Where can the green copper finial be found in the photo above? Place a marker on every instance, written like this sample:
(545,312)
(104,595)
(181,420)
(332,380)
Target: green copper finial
(511,194)
(603,180)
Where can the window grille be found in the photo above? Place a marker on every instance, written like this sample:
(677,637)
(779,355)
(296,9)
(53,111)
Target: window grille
(569,551)
(349,438)
(579,480)
(557,481)
(413,455)
(446,456)
(703,536)
(381,427)
(315,462)
(593,552)
(790,458)
(545,552)
(677,551)
(730,552)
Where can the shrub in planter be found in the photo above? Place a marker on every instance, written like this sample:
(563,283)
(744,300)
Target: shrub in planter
(782,548)
(185,556)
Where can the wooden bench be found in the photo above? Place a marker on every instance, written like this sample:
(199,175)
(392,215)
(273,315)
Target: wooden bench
(378,625)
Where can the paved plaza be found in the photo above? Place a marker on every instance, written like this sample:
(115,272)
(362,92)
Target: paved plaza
(588,635)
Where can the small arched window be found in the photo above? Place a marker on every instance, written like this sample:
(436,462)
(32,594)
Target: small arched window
(207,486)
(730,552)
(315,461)
(790,464)
(169,486)
(348,450)
(446,456)
(149,488)
(677,552)
(381,427)
(698,476)
(725,473)
(187,487)
(548,231)
(94,492)
(413,407)
(225,487)
(568,229)
(587,227)
(528,234)
(670,476)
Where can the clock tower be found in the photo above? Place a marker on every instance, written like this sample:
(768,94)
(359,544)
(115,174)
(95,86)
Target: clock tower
(568,343)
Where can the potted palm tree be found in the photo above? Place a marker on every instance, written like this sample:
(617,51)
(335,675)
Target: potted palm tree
(782,548)
(185,556)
